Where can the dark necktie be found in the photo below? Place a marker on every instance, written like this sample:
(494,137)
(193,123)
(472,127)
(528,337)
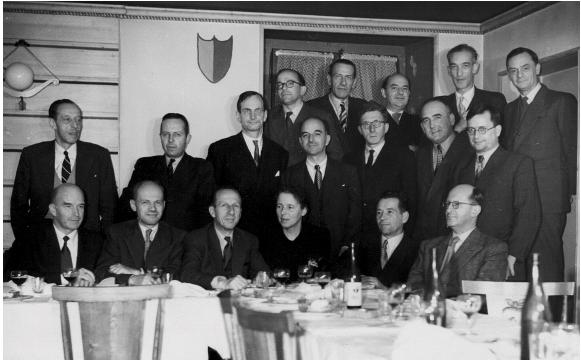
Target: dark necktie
(384,257)
(318,177)
(147,243)
(170,168)
(66,169)
(449,252)
(288,121)
(370,159)
(479,167)
(396,117)
(66,259)
(343,117)
(522,107)
(256,153)
(439,157)
(227,257)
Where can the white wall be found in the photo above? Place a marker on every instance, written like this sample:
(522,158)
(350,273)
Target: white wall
(444,42)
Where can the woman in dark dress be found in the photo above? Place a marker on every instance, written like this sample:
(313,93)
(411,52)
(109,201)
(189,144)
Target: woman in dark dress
(295,242)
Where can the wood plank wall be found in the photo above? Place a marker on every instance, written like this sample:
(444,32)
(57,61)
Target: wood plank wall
(83,52)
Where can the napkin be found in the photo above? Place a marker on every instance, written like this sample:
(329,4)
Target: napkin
(27,289)
(179,290)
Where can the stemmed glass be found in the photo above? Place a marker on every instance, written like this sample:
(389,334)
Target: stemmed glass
(396,296)
(155,272)
(323,278)
(70,274)
(469,304)
(18,277)
(282,275)
(304,272)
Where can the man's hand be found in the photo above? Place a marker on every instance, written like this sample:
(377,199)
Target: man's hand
(143,279)
(510,266)
(86,278)
(122,269)
(236,283)
(371,281)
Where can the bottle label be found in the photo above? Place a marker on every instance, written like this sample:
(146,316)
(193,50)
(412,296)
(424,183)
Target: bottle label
(353,294)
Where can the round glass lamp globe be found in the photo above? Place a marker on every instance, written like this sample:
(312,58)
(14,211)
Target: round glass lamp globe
(19,76)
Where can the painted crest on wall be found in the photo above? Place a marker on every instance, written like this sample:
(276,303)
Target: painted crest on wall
(214,57)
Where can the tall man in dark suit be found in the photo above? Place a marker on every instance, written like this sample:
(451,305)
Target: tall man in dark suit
(464,254)
(436,162)
(512,211)
(542,124)
(133,248)
(382,165)
(332,188)
(342,109)
(220,255)
(403,127)
(251,163)
(462,67)
(45,165)
(386,257)
(188,181)
(284,122)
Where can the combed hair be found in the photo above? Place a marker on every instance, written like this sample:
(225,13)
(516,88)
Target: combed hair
(520,50)
(494,113)
(53,109)
(325,125)
(297,193)
(245,95)
(225,188)
(176,116)
(460,48)
(298,74)
(373,106)
(343,61)
(440,99)
(400,196)
(388,78)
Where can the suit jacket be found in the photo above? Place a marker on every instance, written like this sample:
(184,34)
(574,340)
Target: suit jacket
(408,132)
(275,128)
(480,257)
(394,169)
(351,138)
(187,194)
(433,187)
(202,260)
(337,207)
(512,208)
(234,166)
(481,96)
(548,135)
(125,244)
(34,183)
(398,266)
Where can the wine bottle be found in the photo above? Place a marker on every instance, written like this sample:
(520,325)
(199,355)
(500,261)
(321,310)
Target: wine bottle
(435,313)
(352,289)
(536,316)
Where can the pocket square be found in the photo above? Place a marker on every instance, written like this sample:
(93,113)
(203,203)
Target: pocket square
(277,173)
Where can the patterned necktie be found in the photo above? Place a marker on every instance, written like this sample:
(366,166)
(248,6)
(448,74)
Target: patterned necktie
(66,259)
(370,159)
(66,169)
(170,168)
(396,117)
(227,257)
(343,117)
(449,252)
(384,257)
(147,243)
(288,120)
(439,156)
(479,167)
(461,108)
(256,153)
(318,177)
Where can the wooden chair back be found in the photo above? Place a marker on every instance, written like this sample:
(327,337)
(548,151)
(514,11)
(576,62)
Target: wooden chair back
(112,320)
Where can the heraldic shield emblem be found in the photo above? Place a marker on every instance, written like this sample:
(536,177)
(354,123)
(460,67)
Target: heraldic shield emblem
(214,57)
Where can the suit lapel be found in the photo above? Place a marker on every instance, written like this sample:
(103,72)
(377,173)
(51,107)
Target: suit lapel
(47,162)
(533,114)
(159,246)
(491,166)
(214,249)
(238,253)
(135,243)
(468,249)
(82,164)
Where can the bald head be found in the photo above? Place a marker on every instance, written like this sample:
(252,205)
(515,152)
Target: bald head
(67,207)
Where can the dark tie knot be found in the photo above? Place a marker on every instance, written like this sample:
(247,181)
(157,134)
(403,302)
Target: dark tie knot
(480,159)
(288,114)
(317,167)
(66,153)
(228,240)
(342,105)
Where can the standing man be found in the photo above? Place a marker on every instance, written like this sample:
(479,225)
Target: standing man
(542,124)
(462,67)
(331,187)
(45,165)
(188,181)
(284,122)
(382,165)
(403,127)
(251,163)
(512,212)
(436,162)
(341,108)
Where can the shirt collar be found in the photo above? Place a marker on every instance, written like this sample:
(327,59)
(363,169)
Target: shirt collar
(176,162)
(295,108)
(60,235)
(221,237)
(59,154)
(447,143)
(487,154)
(311,167)
(463,236)
(336,103)
(377,148)
(532,94)
(467,96)
(144,228)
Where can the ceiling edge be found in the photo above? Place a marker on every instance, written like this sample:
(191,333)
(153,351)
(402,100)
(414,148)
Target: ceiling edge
(513,14)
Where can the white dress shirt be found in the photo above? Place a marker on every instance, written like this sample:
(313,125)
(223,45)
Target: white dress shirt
(59,157)
(144,229)
(250,144)
(311,168)
(486,155)
(221,237)
(336,103)
(462,238)
(295,108)
(533,93)
(392,243)
(176,162)
(376,149)
(466,98)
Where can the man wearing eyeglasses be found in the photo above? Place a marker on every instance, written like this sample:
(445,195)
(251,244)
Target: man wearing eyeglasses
(284,121)
(464,254)
(251,163)
(462,67)
(512,212)
(382,165)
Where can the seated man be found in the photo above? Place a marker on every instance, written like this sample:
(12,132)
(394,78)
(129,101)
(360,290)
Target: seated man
(466,254)
(386,257)
(134,247)
(219,255)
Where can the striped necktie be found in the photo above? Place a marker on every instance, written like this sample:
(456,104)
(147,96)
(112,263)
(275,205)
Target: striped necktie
(66,169)
(343,117)
(318,177)
(256,153)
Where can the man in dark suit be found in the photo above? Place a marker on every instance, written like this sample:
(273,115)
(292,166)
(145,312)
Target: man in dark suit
(332,188)
(462,67)
(133,248)
(386,257)
(404,128)
(542,124)
(188,181)
(252,164)
(436,162)
(464,254)
(512,211)
(284,122)
(45,165)
(342,109)
(382,165)
(220,255)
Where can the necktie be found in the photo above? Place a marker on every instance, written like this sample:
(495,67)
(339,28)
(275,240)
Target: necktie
(461,108)
(343,117)
(384,257)
(256,153)
(66,259)
(370,159)
(147,243)
(522,108)
(227,257)
(439,156)
(170,168)
(479,167)
(318,177)
(396,117)
(288,121)
(66,169)
(449,252)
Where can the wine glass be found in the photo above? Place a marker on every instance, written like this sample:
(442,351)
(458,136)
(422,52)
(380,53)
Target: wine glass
(70,274)
(262,280)
(304,272)
(282,275)
(18,277)
(469,304)
(396,296)
(155,272)
(323,278)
